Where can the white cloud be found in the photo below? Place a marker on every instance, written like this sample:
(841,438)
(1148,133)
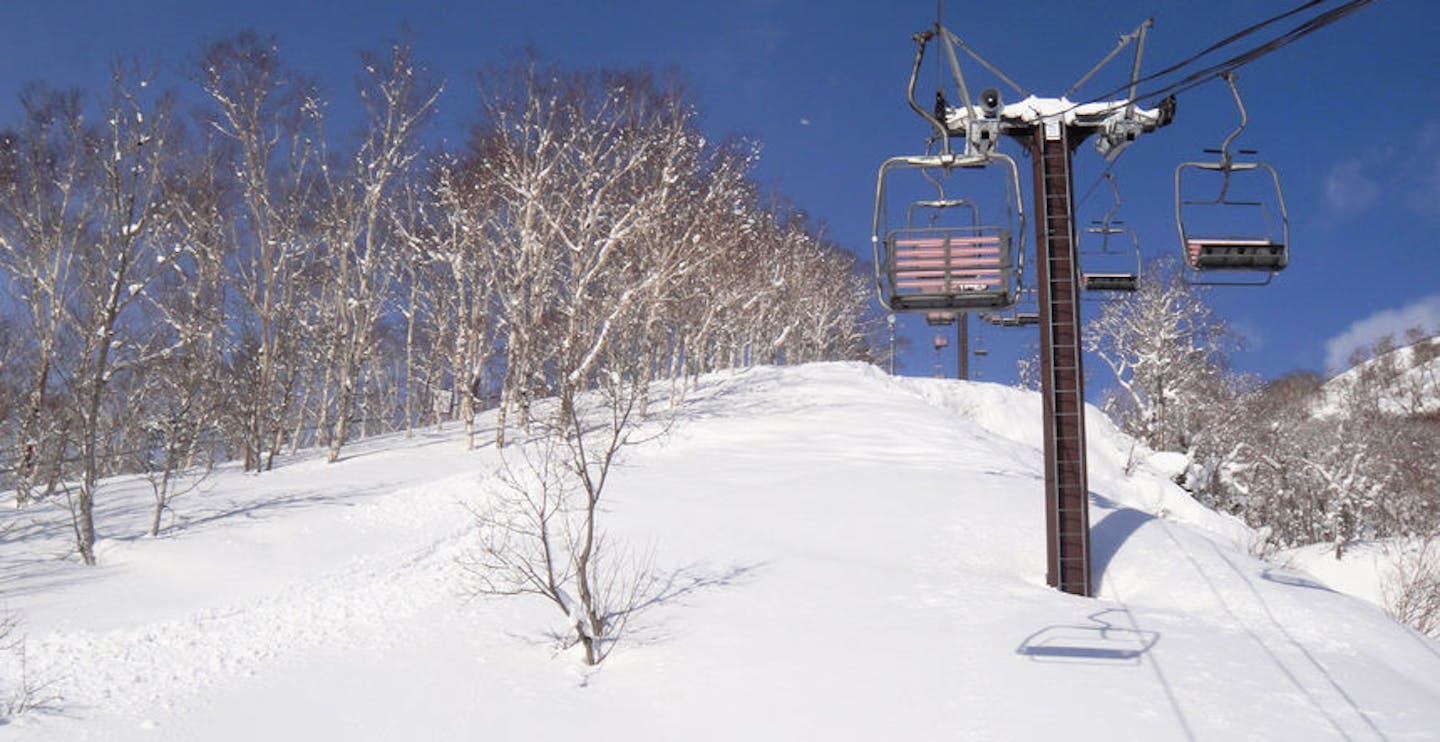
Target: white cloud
(1422,177)
(1423,313)
(1348,188)
(1410,177)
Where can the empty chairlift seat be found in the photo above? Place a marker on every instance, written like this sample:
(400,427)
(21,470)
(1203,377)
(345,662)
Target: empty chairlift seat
(1016,319)
(1231,214)
(1207,253)
(1109,281)
(949,269)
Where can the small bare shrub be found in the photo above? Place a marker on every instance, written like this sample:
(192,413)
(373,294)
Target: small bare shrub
(1412,589)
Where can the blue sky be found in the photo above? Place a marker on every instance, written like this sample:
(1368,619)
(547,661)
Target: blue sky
(1350,116)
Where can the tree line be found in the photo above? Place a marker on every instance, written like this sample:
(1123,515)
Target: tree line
(1303,459)
(187,288)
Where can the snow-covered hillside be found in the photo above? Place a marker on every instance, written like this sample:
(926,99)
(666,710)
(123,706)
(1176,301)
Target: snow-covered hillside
(855,557)
(1403,381)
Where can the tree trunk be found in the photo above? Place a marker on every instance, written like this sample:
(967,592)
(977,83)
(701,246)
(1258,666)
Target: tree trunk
(30,452)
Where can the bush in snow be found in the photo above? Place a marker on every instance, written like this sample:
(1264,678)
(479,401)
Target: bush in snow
(540,530)
(20,691)
(1412,591)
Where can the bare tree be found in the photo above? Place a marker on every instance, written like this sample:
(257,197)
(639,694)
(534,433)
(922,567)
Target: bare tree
(1412,591)
(47,215)
(515,167)
(11,383)
(21,690)
(541,532)
(398,98)
(134,163)
(1166,349)
(272,119)
(466,266)
(580,171)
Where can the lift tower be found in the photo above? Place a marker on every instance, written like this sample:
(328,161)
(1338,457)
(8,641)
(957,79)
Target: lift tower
(1051,129)
(977,267)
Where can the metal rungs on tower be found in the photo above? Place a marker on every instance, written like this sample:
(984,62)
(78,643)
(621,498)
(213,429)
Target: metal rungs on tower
(1066,489)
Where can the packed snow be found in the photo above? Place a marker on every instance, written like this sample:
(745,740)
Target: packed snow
(853,557)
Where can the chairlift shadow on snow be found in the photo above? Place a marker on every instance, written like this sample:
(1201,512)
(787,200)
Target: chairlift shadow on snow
(1099,642)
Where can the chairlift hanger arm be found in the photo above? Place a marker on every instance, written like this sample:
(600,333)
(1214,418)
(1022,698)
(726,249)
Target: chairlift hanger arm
(1225,157)
(1114,207)
(921,39)
(980,138)
(1120,130)
(1142,32)
(959,77)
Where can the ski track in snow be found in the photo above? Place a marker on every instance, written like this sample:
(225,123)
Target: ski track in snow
(1314,691)
(363,605)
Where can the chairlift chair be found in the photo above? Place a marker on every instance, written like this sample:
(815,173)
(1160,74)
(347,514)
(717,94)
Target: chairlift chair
(1014,319)
(1126,255)
(1243,232)
(944,264)
(931,211)
(1110,282)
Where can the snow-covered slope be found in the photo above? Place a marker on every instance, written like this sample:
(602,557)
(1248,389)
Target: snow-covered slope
(1403,381)
(861,558)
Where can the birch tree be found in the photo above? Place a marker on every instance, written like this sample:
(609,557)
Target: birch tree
(467,263)
(271,119)
(397,98)
(181,390)
(515,160)
(135,160)
(47,218)
(10,397)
